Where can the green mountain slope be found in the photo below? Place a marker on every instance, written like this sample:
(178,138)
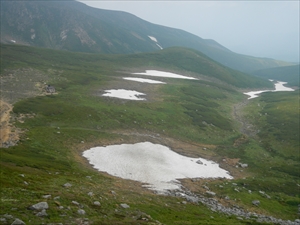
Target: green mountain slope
(181,59)
(196,62)
(192,117)
(288,74)
(73,26)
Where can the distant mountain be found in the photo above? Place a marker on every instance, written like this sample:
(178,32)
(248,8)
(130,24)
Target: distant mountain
(74,26)
(288,74)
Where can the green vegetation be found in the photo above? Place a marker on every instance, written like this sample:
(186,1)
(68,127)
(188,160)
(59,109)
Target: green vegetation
(58,127)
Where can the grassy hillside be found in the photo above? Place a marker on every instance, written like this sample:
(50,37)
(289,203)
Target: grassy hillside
(187,115)
(198,63)
(288,74)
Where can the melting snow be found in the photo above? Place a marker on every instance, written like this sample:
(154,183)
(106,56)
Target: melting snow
(155,165)
(156,73)
(153,38)
(159,46)
(279,86)
(124,94)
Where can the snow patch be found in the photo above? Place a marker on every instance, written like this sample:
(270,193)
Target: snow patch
(159,46)
(157,166)
(124,94)
(279,86)
(152,38)
(156,73)
(155,40)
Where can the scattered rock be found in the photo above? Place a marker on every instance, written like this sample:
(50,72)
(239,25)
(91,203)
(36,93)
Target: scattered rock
(75,203)
(39,206)
(191,199)
(46,196)
(210,193)
(256,202)
(42,213)
(67,185)
(90,194)
(124,205)
(264,194)
(97,203)
(205,187)
(18,222)
(199,162)
(237,190)
(243,165)
(81,212)
(7,216)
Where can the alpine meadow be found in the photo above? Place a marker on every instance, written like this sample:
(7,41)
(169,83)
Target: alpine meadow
(90,89)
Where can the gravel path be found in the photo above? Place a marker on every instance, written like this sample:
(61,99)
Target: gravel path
(246,127)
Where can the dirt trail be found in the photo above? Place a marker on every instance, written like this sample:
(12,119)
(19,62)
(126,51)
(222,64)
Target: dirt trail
(246,127)
(8,134)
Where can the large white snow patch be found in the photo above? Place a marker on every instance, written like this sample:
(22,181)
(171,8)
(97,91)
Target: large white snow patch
(156,165)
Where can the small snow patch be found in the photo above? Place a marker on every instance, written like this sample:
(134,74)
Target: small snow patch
(152,38)
(156,73)
(124,94)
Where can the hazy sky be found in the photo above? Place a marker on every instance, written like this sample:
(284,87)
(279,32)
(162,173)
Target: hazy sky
(258,28)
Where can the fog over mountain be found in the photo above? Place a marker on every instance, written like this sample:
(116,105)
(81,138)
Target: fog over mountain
(257,28)
(74,26)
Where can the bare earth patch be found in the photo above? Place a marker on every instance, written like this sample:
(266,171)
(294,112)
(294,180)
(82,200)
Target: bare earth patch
(16,85)
(9,135)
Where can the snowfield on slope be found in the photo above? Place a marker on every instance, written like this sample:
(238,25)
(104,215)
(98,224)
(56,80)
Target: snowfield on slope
(157,166)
